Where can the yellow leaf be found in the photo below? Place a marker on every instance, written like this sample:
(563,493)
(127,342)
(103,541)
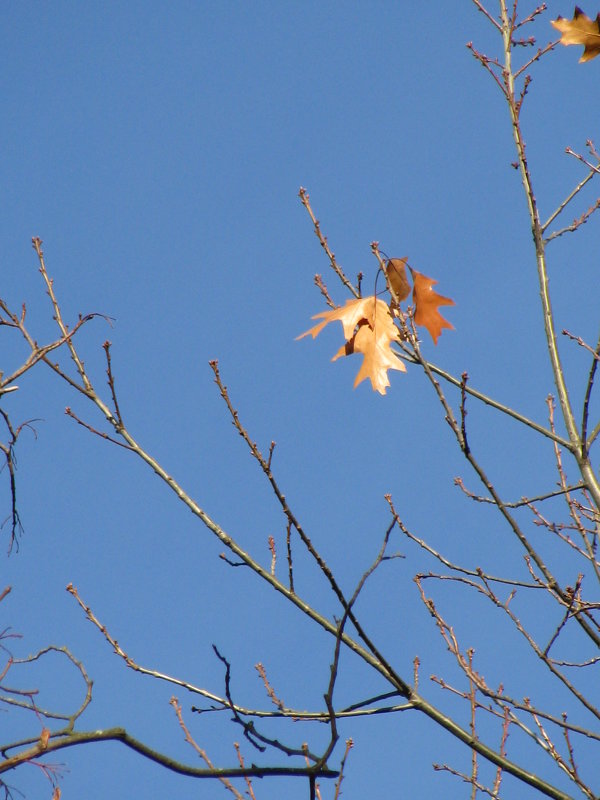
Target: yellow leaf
(368,329)
(349,315)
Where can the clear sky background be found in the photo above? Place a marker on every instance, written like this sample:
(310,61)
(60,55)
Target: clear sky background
(157,149)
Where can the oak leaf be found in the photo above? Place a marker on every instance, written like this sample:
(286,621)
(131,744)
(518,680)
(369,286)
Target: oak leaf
(426,302)
(580,30)
(395,273)
(368,329)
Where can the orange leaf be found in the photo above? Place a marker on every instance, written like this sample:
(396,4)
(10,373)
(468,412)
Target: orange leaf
(580,30)
(426,305)
(373,337)
(395,273)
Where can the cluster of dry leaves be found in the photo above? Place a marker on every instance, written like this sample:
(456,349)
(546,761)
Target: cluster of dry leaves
(580,30)
(369,326)
(369,323)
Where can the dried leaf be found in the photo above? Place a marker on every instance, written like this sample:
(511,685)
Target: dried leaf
(373,337)
(395,273)
(580,30)
(426,302)
(349,315)
(378,357)
(44,738)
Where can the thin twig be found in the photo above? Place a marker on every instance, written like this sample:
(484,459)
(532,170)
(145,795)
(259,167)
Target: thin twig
(463,410)
(70,413)
(567,200)
(111,381)
(588,394)
(525,501)
(305,198)
(491,402)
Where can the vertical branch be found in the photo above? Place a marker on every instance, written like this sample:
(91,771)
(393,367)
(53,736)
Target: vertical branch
(463,412)
(570,500)
(111,382)
(290,560)
(473,704)
(10,463)
(508,28)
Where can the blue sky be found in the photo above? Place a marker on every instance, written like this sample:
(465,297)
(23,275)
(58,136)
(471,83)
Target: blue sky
(158,149)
